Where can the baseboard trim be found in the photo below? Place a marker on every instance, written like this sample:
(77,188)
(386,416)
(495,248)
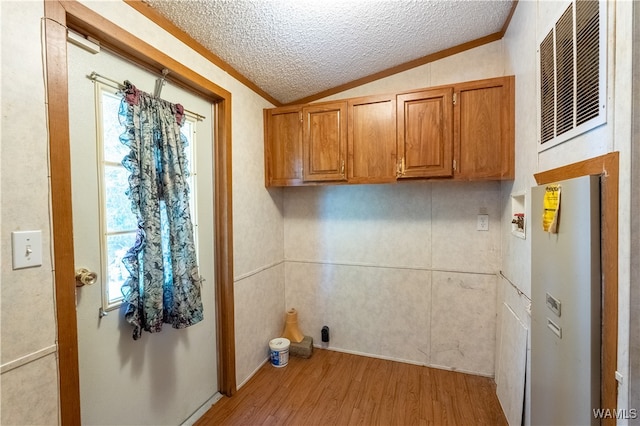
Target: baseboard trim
(406,361)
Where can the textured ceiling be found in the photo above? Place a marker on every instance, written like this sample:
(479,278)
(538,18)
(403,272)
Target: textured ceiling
(293,49)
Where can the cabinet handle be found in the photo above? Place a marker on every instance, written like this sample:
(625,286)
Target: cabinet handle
(342,168)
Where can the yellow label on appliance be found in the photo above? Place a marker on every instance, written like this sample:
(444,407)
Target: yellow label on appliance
(551,208)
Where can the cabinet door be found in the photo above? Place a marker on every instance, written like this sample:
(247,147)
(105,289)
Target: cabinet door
(425,133)
(484,130)
(372,139)
(283,147)
(324,141)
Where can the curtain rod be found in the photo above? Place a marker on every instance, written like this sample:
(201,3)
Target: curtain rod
(94,76)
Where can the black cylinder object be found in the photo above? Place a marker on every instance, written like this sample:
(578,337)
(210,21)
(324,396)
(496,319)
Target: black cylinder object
(325,334)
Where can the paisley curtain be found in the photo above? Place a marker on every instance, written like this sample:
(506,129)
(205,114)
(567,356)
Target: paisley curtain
(164,282)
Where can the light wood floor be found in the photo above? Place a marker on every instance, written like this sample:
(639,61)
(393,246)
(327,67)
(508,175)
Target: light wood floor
(334,388)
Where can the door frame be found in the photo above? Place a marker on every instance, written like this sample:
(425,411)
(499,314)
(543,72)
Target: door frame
(60,15)
(607,167)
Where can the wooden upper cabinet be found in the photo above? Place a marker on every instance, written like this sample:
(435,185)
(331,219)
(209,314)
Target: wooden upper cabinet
(324,141)
(464,131)
(484,137)
(425,133)
(283,146)
(372,139)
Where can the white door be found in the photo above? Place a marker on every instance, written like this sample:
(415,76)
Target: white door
(162,378)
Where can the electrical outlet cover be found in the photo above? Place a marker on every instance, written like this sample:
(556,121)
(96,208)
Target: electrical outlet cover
(483,222)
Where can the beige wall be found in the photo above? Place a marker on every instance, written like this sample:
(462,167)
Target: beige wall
(29,377)
(400,271)
(530,22)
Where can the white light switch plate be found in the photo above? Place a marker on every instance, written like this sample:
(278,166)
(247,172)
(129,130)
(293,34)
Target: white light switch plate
(27,249)
(483,222)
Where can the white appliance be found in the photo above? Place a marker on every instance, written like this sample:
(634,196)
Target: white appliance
(566,306)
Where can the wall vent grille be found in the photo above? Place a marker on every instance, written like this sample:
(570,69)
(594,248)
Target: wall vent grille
(572,73)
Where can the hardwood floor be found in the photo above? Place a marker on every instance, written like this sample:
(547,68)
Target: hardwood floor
(334,388)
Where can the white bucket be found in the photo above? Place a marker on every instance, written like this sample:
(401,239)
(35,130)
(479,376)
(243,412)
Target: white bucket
(279,351)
